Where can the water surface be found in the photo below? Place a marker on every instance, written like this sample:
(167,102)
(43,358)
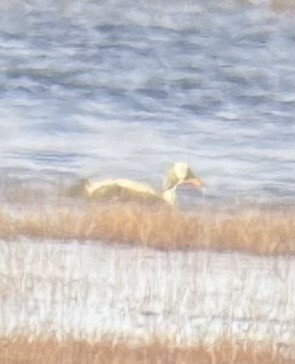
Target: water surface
(93,290)
(125,88)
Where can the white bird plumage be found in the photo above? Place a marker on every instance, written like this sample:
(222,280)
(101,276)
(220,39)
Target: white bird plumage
(124,183)
(129,190)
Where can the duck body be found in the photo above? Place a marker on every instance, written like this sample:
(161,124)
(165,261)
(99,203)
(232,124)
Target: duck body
(126,190)
(97,186)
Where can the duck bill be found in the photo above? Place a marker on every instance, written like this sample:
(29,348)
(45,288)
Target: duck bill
(197,182)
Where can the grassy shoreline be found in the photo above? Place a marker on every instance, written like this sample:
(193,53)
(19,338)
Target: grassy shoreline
(258,230)
(51,351)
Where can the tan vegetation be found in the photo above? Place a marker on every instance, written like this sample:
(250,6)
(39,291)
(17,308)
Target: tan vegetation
(49,351)
(257,229)
(283,5)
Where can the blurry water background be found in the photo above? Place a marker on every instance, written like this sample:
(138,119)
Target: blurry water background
(120,88)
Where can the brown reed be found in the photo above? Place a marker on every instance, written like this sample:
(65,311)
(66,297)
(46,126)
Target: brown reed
(257,229)
(21,350)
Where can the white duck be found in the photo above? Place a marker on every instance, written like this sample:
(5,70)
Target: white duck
(128,190)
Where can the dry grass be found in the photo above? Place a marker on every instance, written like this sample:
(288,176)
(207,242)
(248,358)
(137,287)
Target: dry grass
(49,351)
(257,230)
(283,5)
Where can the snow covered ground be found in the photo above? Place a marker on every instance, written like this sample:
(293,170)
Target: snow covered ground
(96,290)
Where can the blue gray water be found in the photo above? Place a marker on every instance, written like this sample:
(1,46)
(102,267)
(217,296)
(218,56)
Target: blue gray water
(210,296)
(124,88)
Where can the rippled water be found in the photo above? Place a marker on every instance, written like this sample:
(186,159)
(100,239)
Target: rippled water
(124,88)
(46,288)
